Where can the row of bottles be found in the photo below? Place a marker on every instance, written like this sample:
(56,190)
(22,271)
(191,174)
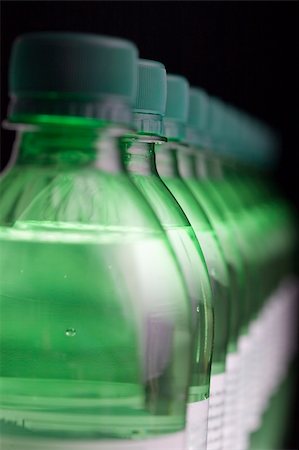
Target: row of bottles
(147,297)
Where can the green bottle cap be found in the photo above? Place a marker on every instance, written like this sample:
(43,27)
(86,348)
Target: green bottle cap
(72,74)
(262,144)
(150,101)
(177,98)
(198,117)
(231,131)
(247,140)
(216,120)
(198,113)
(177,105)
(151,88)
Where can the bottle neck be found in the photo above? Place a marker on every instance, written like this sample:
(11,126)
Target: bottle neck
(70,146)
(201,165)
(199,143)
(174,131)
(168,154)
(139,157)
(166,160)
(148,124)
(206,165)
(196,138)
(186,161)
(213,166)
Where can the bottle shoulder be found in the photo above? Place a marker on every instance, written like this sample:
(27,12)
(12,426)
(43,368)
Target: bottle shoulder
(77,195)
(163,202)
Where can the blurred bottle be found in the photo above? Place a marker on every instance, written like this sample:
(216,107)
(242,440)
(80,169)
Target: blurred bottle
(140,161)
(253,148)
(202,173)
(96,330)
(244,151)
(167,157)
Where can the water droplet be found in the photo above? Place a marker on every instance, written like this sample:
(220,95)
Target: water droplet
(22,271)
(70,332)
(197,309)
(65,276)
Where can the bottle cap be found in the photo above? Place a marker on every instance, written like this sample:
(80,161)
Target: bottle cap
(216,120)
(72,74)
(151,97)
(198,109)
(177,104)
(151,88)
(248,140)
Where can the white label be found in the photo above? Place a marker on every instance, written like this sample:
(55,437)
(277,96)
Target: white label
(265,341)
(251,391)
(197,425)
(247,385)
(174,441)
(216,411)
(231,412)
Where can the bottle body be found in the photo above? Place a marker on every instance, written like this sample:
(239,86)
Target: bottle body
(140,162)
(212,204)
(273,227)
(257,227)
(222,205)
(97,340)
(168,169)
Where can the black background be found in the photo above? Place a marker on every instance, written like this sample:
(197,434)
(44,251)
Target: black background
(246,53)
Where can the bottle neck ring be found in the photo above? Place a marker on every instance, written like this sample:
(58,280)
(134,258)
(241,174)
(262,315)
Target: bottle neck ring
(148,124)
(174,131)
(32,108)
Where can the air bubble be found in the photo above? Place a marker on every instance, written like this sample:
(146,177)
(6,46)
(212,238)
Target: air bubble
(70,332)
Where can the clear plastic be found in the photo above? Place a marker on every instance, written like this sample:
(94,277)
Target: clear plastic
(195,174)
(140,162)
(95,320)
(168,169)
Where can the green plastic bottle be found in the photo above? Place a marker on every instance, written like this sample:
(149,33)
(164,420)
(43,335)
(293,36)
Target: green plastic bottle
(234,182)
(254,149)
(167,156)
(241,181)
(140,162)
(202,172)
(256,226)
(241,176)
(95,319)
